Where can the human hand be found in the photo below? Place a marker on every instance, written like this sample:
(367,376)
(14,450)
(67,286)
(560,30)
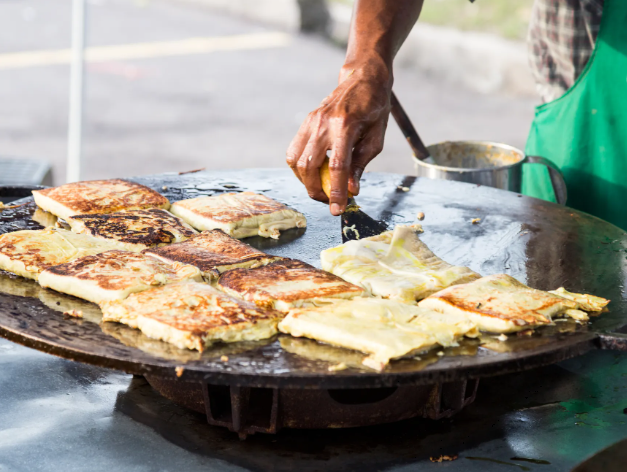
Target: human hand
(351,123)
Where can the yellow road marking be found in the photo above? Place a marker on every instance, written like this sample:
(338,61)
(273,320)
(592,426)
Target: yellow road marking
(19,60)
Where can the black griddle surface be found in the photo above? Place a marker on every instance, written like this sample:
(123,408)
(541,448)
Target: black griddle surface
(541,244)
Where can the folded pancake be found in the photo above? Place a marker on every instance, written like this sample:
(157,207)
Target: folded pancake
(285,284)
(239,214)
(384,329)
(213,252)
(501,304)
(586,302)
(192,316)
(29,252)
(394,264)
(134,230)
(114,275)
(98,196)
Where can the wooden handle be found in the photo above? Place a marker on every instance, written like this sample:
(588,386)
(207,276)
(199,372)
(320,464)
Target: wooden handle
(325,179)
(406,126)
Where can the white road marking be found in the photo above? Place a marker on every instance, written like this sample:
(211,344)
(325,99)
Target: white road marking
(19,60)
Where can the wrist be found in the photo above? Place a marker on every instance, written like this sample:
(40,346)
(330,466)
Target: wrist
(373,69)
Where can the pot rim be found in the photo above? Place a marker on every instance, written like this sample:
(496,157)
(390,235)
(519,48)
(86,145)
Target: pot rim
(472,169)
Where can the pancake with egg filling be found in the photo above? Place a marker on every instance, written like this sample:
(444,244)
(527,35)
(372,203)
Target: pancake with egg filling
(384,329)
(213,252)
(239,214)
(134,230)
(29,252)
(114,275)
(501,304)
(98,196)
(192,316)
(394,264)
(285,284)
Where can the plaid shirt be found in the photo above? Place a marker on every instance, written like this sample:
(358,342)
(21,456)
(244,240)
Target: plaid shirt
(562,34)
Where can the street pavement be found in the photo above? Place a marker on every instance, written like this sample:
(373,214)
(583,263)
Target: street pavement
(167,106)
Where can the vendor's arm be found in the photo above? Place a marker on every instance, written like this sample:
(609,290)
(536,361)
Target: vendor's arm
(351,122)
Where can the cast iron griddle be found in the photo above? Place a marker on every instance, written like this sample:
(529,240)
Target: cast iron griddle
(541,244)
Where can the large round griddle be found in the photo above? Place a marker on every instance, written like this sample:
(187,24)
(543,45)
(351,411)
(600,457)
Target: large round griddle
(541,244)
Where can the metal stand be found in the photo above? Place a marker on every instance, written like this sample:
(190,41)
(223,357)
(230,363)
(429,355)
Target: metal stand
(75,120)
(249,410)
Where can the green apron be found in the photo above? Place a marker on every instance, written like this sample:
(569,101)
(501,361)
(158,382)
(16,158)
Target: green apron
(584,132)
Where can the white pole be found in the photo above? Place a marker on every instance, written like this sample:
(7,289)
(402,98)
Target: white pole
(75,120)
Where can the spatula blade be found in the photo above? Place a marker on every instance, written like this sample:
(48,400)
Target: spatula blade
(358,225)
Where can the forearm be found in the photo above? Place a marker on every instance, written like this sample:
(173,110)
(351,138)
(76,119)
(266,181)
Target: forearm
(378,30)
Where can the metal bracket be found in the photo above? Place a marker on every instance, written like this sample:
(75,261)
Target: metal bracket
(244,410)
(449,398)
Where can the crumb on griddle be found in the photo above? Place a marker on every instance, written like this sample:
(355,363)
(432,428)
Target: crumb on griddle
(179,371)
(224,358)
(73,313)
(420,216)
(443,458)
(475,221)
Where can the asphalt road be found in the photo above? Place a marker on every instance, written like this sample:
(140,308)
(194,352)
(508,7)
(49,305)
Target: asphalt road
(175,108)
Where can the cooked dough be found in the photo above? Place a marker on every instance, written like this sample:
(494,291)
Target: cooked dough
(385,329)
(98,196)
(501,304)
(135,230)
(28,252)
(239,214)
(114,275)
(285,284)
(588,303)
(394,264)
(192,316)
(213,252)
(44,218)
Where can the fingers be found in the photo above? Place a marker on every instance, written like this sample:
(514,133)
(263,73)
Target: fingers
(297,146)
(366,150)
(339,166)
(308,166)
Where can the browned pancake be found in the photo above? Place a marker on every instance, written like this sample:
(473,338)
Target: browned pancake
(284,284)
(136,229)
(192,315)
(98,196)
(114,275)
(240,215)
(213,252)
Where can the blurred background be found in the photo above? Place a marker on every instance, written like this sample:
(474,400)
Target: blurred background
(176,85)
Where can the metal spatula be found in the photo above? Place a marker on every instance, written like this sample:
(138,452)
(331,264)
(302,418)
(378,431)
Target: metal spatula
(355,223)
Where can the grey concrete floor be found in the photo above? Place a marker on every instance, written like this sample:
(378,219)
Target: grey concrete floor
(217,110)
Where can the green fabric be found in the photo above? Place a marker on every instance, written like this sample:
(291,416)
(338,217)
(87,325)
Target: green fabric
(584,132)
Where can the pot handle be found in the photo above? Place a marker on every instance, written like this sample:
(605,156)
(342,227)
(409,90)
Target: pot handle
(613,341)
(557,178)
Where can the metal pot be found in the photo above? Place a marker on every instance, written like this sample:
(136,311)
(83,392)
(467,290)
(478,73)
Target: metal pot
(485,163)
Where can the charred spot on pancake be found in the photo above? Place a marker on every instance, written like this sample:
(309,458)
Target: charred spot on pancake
(151,227)
(211,250)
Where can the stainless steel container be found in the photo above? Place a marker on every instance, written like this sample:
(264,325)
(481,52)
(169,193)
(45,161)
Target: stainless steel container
(485,163)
